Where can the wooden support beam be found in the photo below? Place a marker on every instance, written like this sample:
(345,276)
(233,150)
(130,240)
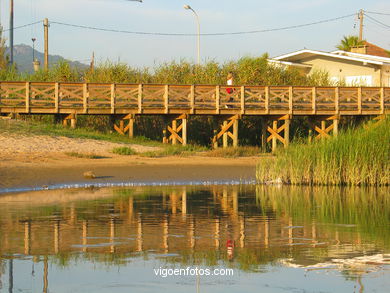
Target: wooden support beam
(235,133)
(123,128)
(177,133)
(225,133)
(325,126)
(73,120)
(276,131)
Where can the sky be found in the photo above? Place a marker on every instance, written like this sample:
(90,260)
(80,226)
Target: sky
(169,16)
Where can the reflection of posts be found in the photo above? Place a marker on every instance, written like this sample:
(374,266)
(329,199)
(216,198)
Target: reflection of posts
(27,237)
(235,201)
(290,231)
(217,233)
(242,232)
(191,233)
(166,234)
(266,232)
(45,275)
(139,234)
(184,203)
(131,208)
(314,232)
(112,235)
(85,235)
(56,236)
(173,198)
(11,275)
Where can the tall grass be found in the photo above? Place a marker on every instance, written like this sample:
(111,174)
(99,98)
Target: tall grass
(356,157)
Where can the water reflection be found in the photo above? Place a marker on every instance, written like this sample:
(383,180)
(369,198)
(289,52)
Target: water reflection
(252,229)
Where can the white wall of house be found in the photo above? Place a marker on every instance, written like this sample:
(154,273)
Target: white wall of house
(354,73)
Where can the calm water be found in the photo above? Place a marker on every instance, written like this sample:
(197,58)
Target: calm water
(274,239)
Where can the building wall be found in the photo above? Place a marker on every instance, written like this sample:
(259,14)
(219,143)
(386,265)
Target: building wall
(386,76)
(342,70)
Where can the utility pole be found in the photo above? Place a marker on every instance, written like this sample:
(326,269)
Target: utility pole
(361,16)
(11,31)
(46,50)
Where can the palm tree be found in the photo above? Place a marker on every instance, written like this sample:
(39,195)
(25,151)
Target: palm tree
(350,41)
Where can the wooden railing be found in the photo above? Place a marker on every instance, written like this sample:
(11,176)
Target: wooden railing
(83,98)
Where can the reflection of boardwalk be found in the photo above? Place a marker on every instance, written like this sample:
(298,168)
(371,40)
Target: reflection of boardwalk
(173,221)
(276,104)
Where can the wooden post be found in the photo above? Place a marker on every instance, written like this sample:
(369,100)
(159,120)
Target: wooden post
(225,136)
(165,139)
(57,97)
(73,121)
(336,100)
(335,127)
(217,99)
(27,101)
(313,99)
(290,100)
(184,130)
(274,140)
(215,140)
(287,133)
(85,97)
(323,126)
(112,98)
(131,126)
(46,37)
(242,100)
(192,99)
(174,128)
(359,100)
(235,133)
(140,98)
(166,99)
(122,125)
(382,99)
(267,99)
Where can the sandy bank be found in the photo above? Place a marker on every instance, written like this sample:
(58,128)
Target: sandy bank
(33,161)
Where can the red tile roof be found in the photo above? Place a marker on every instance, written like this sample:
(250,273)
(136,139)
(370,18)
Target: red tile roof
(372,49)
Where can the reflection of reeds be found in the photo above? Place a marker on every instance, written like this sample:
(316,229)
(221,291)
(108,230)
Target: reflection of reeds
(367,208)
(356,157)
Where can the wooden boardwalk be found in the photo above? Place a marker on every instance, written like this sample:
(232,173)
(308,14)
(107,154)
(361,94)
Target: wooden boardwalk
(275,103)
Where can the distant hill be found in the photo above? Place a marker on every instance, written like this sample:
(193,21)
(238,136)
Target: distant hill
(23,58)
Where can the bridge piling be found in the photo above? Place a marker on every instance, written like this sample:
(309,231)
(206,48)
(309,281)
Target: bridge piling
(324,126)
(129,128)
(176,132)
(226,133)
(276,131)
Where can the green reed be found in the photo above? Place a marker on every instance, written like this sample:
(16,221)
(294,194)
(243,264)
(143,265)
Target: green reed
(355,157)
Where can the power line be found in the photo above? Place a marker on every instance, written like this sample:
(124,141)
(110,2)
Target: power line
(203,34)
(377,25)
(379,22)
(24,25)
(380,13)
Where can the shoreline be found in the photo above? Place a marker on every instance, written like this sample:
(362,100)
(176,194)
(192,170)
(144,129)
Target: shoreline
(60,169)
